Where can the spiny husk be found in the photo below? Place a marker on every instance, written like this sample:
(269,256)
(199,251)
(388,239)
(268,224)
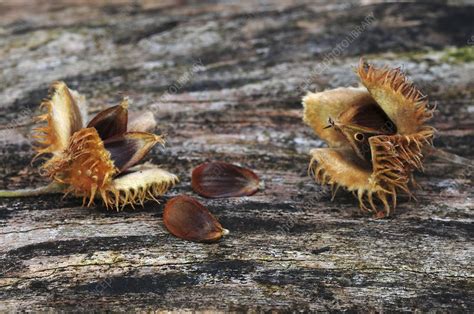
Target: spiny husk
(394,157)
(85,166)
(404,104)
(143,182)
(90,164)
(341,167)
(63,118)
(88,169)
(318,107)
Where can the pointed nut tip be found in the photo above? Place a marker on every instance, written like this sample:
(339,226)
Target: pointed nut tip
(125,102)
(225,231)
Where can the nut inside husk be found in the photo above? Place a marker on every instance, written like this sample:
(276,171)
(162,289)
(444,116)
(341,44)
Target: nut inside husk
(377,135)
(98,159)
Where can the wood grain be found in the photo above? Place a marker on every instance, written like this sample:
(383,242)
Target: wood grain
(225,82)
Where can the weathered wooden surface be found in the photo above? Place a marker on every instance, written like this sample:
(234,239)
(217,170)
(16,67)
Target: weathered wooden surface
(237,70)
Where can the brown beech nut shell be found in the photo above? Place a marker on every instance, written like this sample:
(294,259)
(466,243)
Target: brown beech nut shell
(128,149)
(111,121)
(220,179)
(186,218)
(100,159)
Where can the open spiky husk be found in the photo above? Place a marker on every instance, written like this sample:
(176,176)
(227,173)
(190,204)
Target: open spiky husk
(63,117)
(341,167)
(141,183)
(394,157)
(85,165)
(399,98)
(89,166)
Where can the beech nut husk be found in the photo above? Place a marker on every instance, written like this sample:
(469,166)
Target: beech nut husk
(186,218)
(377,136)
(220,179)
(100,159)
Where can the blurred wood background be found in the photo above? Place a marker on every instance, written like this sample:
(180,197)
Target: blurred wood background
(225,81)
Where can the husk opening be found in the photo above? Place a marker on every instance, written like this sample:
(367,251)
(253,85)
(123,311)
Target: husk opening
(393,157)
